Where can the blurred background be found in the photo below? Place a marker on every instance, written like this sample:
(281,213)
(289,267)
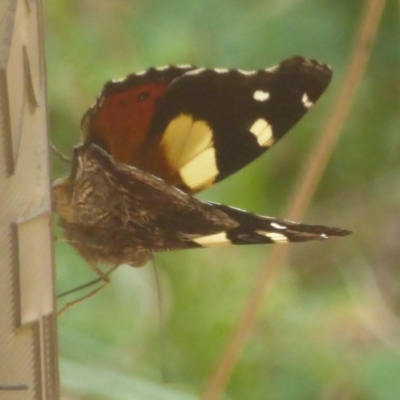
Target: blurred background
(329,327)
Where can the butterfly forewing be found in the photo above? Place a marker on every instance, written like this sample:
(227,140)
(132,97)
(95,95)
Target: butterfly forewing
(210,123)
(195,126)
(119,120)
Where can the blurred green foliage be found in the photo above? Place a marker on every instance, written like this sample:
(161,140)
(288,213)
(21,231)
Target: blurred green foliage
(329,328)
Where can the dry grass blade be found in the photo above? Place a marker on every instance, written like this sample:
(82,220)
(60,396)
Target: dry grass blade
(308,183)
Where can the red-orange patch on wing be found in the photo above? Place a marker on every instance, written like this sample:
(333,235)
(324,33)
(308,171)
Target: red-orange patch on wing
(122,120)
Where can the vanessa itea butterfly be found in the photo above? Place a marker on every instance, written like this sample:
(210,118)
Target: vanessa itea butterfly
(155,138)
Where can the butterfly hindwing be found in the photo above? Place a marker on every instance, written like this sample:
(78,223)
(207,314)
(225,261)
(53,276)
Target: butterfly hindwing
(115,213)
(254,229)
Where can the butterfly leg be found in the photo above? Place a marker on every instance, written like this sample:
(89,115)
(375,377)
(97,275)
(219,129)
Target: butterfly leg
(87,296)
(58,153)
(103,275)
(106,281)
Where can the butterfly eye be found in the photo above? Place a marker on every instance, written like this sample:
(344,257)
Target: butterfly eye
(143,96)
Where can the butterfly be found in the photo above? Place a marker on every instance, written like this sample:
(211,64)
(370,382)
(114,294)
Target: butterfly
(155,138)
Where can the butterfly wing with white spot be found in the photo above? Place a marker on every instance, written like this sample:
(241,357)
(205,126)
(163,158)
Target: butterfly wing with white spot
(210,123)
(254,229)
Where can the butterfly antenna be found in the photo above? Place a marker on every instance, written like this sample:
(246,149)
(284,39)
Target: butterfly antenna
(163,367)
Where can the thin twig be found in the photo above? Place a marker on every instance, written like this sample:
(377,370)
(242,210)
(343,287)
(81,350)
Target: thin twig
(308,183)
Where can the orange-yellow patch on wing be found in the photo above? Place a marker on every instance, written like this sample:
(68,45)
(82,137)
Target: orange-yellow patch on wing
(189,148)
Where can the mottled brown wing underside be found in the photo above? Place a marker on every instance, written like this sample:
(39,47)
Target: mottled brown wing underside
(114,213)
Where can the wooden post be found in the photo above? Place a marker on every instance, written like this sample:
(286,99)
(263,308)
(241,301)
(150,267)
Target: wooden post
(28,340)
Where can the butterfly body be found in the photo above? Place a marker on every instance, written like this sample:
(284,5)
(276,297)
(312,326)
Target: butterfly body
(155,138)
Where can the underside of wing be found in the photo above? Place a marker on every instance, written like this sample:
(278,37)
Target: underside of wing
(115,213)
(256,229)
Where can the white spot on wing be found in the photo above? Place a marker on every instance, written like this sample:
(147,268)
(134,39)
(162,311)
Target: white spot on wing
(248,73)
(163,68)
(260,95)
(195,71)
(275,237)
(278,226)
(184,66)
(272,69)
(140,73)
(119,80)
(221,70)
(262,130)
(218,239)
(306,101)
